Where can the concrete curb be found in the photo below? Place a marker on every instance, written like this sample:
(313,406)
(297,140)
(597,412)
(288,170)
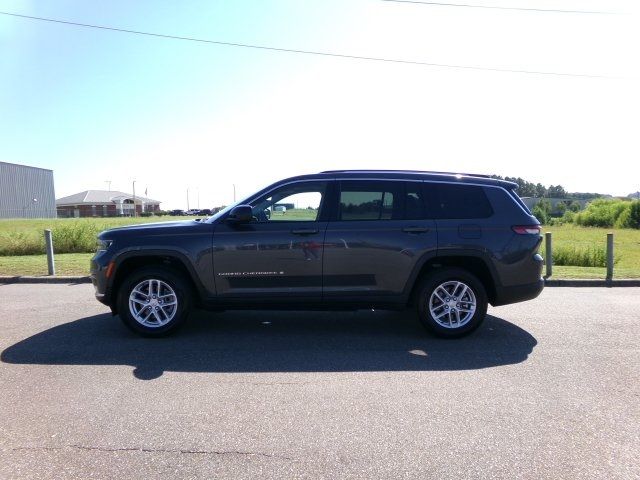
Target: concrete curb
(548,282)
(56,279)
(592,283)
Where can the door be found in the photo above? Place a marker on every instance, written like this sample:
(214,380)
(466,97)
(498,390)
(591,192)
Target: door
(279,254)
(375,239)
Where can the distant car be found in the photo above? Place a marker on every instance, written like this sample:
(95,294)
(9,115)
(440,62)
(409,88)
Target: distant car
(192,211)
(445,245)
(205,212)
(177,213)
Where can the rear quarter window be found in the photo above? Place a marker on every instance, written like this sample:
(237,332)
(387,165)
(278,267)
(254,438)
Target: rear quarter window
(460,201)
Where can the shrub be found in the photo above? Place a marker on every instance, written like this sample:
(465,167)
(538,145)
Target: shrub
(594,256)
(568,217)
(561,208)
(541,213)
(602,213)
(630,217)
(21,243)
(76,237)
(575,206)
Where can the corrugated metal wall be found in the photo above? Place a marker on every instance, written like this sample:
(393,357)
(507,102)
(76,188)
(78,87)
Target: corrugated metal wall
(26,192)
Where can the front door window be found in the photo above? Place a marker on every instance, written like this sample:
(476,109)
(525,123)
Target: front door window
(292,203)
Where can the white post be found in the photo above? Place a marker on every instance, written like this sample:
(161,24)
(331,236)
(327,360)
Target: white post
(609,257)
(548,254)
(134,198)
(48,240)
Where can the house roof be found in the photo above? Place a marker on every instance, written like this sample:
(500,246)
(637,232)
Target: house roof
(93,197)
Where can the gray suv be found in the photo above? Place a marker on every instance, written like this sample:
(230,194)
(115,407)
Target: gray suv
(443,244)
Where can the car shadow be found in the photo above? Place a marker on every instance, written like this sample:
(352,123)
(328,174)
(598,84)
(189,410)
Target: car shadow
(275,341)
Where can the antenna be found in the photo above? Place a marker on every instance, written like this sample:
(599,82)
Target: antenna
(108,182)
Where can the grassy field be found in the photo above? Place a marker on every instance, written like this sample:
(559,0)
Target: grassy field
(626,246)
(70,235)
(36,265)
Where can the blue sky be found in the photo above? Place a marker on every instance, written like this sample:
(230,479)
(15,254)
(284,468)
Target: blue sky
(96,106)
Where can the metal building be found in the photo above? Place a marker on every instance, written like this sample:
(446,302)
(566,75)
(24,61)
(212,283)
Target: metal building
(26,192)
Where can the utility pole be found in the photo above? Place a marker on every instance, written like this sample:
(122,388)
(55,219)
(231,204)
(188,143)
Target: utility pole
(108,182)
(134,198)
(187,199)
(198,199)
(234,193)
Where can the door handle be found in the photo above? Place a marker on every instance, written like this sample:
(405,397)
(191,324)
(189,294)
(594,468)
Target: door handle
(415,229)
(304,231)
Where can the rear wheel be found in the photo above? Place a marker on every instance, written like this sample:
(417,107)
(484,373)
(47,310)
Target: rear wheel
(154,301)
(451,302)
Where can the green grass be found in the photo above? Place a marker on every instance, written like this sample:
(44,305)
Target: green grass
(590,273)
(567,237)
(570,238)
(36,265)
(299,214)
(70,235)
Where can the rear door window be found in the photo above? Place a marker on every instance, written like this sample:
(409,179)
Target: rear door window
(370,200)
(414,202)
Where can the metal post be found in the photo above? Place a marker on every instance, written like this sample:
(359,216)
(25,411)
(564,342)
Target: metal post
(548,260)
(609,257)
(48,240)
(134,199)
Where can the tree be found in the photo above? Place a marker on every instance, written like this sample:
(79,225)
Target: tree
(575,206)
(556,191)
(542,211)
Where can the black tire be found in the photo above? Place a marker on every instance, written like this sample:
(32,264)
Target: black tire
(169,279)
(471,321)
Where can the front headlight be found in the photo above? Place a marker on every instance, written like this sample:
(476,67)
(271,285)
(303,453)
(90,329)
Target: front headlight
(103,245)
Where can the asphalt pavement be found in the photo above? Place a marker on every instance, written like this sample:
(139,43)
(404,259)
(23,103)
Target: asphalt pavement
(544,389)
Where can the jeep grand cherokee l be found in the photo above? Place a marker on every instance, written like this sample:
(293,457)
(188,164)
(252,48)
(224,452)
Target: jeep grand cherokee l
(443,244)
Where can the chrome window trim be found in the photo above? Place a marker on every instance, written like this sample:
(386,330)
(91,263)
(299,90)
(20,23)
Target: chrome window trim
(338,178)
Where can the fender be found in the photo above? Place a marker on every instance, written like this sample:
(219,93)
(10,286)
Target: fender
(444,254)
(177,253)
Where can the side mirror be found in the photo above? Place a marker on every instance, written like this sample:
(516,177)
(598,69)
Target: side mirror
(241,214)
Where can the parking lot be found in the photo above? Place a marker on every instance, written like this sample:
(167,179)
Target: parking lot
(545,389)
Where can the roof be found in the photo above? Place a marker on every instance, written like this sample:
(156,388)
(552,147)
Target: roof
(93,197)
(26,166)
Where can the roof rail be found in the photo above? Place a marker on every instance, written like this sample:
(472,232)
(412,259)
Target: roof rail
(410,171)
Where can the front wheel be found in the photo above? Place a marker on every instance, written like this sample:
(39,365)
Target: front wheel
(451,302)
(154,301)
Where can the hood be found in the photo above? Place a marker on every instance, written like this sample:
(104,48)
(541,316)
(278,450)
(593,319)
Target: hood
(152,228)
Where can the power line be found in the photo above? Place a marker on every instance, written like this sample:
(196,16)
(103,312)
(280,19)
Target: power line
(306,52)
(496,7)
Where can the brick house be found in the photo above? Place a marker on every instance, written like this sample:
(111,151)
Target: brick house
(104,203)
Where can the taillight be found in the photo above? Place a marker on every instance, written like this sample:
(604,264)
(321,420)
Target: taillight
(527,229)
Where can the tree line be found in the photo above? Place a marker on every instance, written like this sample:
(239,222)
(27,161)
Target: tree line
(537,190)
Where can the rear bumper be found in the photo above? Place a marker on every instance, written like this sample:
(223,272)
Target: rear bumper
(518,293)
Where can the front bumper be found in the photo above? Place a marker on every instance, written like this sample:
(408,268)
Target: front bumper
(98,274)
